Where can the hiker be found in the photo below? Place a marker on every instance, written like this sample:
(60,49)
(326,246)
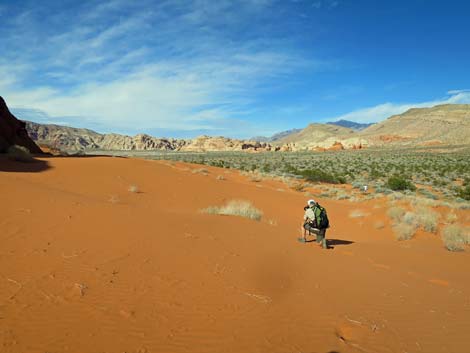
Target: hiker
(316,222)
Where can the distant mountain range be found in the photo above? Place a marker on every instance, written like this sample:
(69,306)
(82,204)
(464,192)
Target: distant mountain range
(275,137)
(440,125)
(351,124)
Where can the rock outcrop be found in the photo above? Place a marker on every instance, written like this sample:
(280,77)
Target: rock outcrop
(208,144)
(13,131)
(71,139)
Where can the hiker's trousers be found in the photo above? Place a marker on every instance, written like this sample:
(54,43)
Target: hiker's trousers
(320,233)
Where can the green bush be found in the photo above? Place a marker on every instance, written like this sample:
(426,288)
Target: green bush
(398,183)
(321,176)
(464,193)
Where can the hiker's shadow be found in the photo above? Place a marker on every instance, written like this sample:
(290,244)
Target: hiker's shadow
(331,243)
(334,242)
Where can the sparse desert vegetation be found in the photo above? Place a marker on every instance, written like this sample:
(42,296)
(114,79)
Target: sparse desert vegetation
(433,173)
(241,208)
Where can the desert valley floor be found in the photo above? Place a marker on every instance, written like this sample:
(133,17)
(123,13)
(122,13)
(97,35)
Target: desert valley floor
(87,266)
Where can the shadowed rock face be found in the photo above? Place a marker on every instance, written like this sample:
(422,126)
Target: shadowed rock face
(13,131)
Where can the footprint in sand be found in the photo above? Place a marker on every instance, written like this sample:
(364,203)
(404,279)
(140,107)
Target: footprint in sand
(351,332)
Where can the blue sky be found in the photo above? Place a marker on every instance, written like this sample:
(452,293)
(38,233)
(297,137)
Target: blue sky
(236,68)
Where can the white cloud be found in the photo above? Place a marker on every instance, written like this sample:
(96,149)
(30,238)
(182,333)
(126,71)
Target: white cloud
(162,65)
(385,110)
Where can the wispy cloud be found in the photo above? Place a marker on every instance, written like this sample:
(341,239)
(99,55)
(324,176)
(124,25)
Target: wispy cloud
(385,110)
(148,64)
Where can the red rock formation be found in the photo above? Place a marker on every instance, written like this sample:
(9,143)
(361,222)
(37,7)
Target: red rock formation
(337,146)
(13,131)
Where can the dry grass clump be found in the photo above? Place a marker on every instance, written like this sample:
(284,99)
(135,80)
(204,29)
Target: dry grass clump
(300,187)
(428,219)
(396,213)
(451,217)
(256,178)
(357,214)
(19,154)
(220,177)
(404,231)
(203,171)
(239,208)
(454,237)
(134,189)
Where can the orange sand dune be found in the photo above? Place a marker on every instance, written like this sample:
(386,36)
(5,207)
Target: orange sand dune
(87,266)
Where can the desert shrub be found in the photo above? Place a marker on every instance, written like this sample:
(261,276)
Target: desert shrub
(454,237)
(317,175)
(239,208)
(342,196)
(428,194)
(396,213)
(410,218)
(404,231)
(398,183)
(395,196)
(300,187)
(19,154)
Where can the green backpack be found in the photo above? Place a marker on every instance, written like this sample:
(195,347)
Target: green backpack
(322,217)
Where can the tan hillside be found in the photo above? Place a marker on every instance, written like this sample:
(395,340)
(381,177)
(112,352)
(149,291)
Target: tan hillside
(316,135)
(443,124)
(73,139)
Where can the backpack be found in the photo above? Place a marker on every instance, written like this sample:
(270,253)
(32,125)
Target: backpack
(322,218)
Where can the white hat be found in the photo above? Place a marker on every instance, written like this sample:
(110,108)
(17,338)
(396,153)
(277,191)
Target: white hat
(311,202)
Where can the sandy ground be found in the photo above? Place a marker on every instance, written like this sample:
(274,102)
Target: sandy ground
(87,266)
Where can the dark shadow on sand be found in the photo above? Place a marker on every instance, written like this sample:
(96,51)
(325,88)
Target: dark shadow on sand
(34,166)
(38,165)
(334,242)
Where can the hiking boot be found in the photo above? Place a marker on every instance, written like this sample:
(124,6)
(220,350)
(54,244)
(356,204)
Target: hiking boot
(324,245)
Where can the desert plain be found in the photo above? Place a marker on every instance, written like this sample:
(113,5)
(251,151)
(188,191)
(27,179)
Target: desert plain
(107,254)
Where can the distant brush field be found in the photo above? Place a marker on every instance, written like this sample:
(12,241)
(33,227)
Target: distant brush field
(436,173)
